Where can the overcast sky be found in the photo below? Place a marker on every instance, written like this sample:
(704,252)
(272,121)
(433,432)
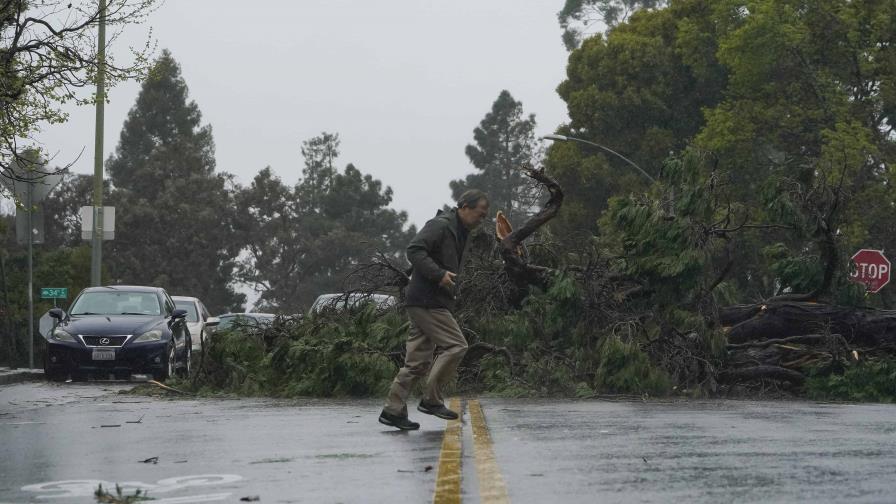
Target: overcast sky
(403,82)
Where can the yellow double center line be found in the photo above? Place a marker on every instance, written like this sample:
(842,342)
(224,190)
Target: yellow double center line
(448,480)
(448,484)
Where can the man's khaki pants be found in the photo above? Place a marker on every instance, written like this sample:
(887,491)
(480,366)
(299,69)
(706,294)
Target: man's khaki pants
(430,329)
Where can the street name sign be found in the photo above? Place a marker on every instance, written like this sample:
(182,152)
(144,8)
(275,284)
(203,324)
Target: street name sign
(54,293)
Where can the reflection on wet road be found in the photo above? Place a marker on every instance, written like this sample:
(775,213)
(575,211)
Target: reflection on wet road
(58,442)
(54,448)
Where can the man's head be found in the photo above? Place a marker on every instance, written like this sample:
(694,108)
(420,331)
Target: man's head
(472,207)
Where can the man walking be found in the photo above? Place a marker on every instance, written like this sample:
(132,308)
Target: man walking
(435,255)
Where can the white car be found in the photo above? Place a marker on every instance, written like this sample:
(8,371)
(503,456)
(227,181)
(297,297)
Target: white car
(200,323)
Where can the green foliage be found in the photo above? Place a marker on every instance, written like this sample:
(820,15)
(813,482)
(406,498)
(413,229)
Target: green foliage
(794,100)
(640,90)
(872,380)
(559,352)
(624,369)
(663,238)
(326,355)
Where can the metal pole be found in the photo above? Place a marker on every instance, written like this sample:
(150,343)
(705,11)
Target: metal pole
(96,259)
(30,273)
(10,332)
(564,138)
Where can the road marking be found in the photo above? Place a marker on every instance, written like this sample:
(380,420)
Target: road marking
(86,488)
(448,479)
(491,484)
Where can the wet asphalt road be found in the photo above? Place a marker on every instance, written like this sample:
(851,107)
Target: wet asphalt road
(54,449)
(696,451)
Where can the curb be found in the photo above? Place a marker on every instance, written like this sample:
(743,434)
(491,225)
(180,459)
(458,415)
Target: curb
(20,375)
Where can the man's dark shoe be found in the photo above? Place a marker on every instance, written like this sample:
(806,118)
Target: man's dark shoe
(438,410)
(400,422)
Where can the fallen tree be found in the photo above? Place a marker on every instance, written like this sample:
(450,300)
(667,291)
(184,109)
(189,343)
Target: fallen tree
(858,326)
(785,341)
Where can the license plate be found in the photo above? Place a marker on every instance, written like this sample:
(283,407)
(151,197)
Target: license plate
(103,354)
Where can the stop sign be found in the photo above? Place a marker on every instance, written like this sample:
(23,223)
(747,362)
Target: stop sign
(872,268)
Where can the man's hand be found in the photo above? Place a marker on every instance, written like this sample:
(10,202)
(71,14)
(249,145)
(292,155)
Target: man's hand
(447,280)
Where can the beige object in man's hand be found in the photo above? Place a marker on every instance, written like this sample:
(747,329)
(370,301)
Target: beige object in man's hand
(447,280)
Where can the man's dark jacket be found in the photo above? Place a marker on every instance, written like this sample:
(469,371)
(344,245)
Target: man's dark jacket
(437,248)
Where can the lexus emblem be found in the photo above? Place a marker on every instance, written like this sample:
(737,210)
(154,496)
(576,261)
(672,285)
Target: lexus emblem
(104,341)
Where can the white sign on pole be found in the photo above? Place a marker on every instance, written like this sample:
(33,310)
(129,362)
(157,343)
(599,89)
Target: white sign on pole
(37,225)
(40,183)
(86,215)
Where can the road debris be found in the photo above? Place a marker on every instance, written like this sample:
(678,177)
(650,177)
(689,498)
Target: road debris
(166,387)
(104,497)
(139,420)
(150,460)
(253,498)
(272,461)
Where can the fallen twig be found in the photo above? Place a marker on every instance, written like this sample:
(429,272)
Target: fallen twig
(166,387)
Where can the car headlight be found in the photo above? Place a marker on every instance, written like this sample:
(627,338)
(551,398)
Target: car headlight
(61,335)
(154,335)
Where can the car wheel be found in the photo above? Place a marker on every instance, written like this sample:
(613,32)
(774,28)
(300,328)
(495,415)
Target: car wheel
(55,375)
(168,366)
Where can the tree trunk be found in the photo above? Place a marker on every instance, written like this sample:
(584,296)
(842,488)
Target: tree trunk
(518,268)
(782,340)
(858,326)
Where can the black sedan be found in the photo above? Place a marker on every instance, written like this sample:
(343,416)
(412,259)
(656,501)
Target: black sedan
(120,331)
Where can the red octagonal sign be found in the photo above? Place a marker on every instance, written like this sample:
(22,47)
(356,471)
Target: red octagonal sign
(872,268)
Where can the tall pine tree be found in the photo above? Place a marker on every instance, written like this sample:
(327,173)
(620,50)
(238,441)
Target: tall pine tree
(174,213)
(505,142)
(303,241)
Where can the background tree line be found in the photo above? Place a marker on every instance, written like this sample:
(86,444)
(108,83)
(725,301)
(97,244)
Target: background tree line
(767,124)
(184,226)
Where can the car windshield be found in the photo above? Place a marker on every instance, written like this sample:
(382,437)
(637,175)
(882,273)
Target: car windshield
(190,306)
(117,303)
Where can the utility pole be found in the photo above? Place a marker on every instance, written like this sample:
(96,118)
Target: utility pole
(96,259)
(30,201)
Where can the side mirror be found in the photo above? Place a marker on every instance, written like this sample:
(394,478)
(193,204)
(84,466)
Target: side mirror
(212,322)
(57,313)
(178,314)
